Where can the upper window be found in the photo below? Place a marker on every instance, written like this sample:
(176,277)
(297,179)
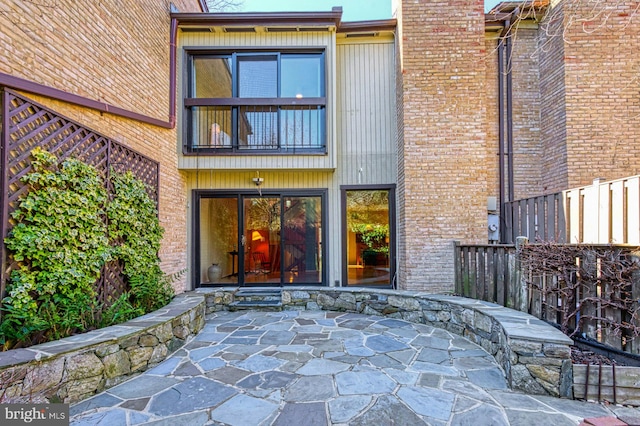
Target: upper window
(259,101)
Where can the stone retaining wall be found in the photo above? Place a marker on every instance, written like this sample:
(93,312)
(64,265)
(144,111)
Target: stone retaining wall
(77,367)
(535,356)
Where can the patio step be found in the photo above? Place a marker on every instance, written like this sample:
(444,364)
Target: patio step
(264,299)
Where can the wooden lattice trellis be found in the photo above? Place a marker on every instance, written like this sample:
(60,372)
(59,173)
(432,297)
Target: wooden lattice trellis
(25,125)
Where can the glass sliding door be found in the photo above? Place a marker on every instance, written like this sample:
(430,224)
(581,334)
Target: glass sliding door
(218,242)
(302,241)
(274,239)
(261,240)
(369,241)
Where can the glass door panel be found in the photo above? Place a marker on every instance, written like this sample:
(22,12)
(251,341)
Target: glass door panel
(302,244)
(368,242)
(261,240)
(218,240)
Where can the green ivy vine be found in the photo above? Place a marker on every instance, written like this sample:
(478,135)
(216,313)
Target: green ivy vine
(66,230)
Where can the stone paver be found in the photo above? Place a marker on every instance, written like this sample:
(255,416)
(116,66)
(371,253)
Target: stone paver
(326,368)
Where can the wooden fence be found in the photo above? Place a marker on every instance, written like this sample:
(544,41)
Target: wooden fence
(494,273)
(601,213)
(25,125)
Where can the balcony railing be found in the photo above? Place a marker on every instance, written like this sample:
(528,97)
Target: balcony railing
(217,126)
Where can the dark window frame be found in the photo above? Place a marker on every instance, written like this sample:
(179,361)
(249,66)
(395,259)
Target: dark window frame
(392,230)
(190,102)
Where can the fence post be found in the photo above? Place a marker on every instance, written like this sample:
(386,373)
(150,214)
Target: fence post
(456,269)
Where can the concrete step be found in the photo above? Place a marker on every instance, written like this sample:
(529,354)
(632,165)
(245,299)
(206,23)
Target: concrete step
(255,304)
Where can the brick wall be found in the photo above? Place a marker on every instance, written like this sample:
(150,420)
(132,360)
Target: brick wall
(527,150)
(112,51)
(443,189)
(589,89)
(602,70)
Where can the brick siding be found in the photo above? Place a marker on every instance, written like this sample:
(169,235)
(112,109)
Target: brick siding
(443,186)
(95,50)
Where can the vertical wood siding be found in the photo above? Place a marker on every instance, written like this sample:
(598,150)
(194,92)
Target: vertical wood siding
(361,129)
(366,126)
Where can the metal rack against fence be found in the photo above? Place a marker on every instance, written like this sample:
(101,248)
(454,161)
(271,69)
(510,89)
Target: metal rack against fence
(495,273)
(25,125)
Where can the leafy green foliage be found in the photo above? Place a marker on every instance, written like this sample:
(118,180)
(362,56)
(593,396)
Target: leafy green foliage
(61,242)
(136,232)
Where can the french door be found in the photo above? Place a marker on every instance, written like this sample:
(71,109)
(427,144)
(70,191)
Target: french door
(246,239)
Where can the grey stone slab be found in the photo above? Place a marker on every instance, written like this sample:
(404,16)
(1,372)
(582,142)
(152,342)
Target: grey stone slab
(433,356)
(468,353)
(267,380)
(192,395)
(387,410)
(364,382)
(483,415)
(572,407)
(102,418)
(209,364)
(228,374)
(135,418)
(431,342)
(240,340)
(259,363)
(281,337)
(210,337)
(475,363)
(517,417)
(321,367)
(384,344)
(142,386)
(135,404)
(355,324)
(310,388)
(345,408)
(187,369)
(356,347)
(463,387)
(309,413)
(428,402)
(202,353)
(403,377)
(394,323)
(98,401)
(427,367)
(245,349)
(189,419)
(488,379)
(404,357)
(295,348)
(166,367)
(384,361)
(243,410)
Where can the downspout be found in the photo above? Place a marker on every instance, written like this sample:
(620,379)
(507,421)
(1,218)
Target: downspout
(505,117)
(172,72)
(509,106)
(501,130)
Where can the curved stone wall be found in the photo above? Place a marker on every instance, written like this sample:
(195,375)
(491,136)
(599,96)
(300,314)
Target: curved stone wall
(77,367)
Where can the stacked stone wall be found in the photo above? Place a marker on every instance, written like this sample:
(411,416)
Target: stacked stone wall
(74,368)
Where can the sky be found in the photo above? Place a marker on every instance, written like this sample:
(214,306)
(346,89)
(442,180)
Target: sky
(352,10)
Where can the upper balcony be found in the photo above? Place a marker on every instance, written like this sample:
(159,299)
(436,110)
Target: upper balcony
(259,102)
(258,91)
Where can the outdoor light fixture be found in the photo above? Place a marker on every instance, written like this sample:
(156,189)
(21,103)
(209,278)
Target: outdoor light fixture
(258,181)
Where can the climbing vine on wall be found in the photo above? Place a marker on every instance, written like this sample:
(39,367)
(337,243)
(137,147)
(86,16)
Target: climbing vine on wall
(65,230)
